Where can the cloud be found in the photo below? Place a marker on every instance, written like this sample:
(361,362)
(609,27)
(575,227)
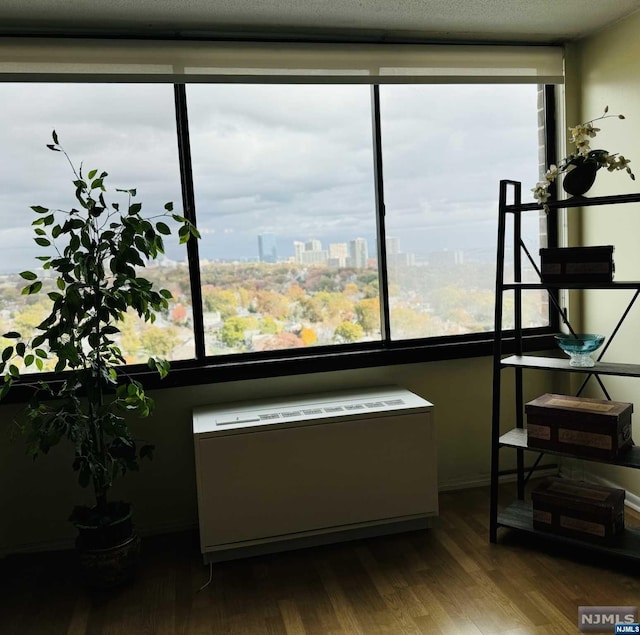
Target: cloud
(293,160)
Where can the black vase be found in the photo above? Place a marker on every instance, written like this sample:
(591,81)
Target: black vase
(579,180)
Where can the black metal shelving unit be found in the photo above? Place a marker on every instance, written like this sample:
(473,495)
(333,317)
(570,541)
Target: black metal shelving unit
(518,515)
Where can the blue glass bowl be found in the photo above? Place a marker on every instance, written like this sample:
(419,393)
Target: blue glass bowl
(580,347)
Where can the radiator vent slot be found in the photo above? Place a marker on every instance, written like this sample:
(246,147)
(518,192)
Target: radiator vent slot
(284,415)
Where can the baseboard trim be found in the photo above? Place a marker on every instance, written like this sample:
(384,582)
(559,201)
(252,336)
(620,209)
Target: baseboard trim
(485,480)
(630,500)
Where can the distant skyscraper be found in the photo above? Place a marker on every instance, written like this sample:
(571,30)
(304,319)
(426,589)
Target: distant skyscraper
(313,245)
(358,253)
(298,248)
(338,253)
(313,254)
(267,250)
(314,257)
(393,246)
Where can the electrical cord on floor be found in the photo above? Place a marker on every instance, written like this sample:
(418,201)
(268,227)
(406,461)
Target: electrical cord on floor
(208,582)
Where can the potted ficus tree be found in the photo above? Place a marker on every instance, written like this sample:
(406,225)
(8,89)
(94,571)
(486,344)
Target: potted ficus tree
(94,253)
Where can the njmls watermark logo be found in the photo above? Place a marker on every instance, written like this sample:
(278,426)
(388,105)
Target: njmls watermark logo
(608,619)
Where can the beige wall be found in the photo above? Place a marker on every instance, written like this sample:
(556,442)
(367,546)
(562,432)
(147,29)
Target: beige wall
(609,74)
(35,498)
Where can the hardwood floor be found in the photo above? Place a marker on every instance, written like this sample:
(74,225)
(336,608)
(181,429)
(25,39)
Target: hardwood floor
(445,580)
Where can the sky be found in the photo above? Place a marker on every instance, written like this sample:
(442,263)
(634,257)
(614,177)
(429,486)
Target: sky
(295,161)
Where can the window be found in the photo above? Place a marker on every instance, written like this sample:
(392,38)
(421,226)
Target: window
(284,193)
(348,211)
(445,149)
(128,130)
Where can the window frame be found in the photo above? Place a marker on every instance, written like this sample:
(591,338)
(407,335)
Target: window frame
(385,352)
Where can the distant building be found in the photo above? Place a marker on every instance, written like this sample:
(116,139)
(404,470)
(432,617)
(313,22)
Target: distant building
(338,254)
(314,257)
(310,253)
(446,257)
(298,248)
(401,259)
(267,250)
(313,245)
(397,258)
(358,253)
(393,246)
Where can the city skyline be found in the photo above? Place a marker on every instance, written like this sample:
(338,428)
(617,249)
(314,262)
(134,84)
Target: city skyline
(354,253)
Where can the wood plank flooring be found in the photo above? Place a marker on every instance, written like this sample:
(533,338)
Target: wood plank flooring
(445,580)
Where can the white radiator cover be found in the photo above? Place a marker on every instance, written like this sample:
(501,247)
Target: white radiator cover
(278,474)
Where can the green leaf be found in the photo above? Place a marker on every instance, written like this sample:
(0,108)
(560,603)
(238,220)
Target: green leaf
(7,353)
(5,389)
(169,206)
(61,284)
(28,275)
(92,173)
(39,363)
(29,359)
(38,209)
(54,135)
(184,234)
(160,365)
(134,209)
(163,228)
(43,242)
(32,288)
(12,335)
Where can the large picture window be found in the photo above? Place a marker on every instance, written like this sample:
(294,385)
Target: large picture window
(284,194)
(445,147)
(349,213)
(127,130)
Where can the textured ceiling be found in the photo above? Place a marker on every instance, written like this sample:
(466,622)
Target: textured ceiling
(544,21)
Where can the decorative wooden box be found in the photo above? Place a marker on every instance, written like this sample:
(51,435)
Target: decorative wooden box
(577,264)
(592,428)
(578,510)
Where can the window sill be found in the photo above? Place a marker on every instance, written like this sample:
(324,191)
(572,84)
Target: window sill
(313,360)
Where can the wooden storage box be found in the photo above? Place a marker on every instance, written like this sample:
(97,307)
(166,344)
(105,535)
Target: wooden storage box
(577,264)
(591,428)
(578,510)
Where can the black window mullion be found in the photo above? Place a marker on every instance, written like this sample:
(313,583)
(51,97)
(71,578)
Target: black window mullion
(383,276)
(189,206)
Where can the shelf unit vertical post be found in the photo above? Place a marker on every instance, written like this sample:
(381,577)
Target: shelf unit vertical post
(517,312)
(497,354)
